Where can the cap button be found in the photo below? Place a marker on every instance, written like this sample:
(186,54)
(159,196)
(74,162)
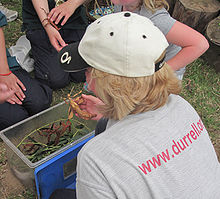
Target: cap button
(127,14)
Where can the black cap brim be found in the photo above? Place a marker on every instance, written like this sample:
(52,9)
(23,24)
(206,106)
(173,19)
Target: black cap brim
(70,59)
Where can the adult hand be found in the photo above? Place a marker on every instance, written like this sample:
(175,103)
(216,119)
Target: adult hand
(90,105)
(5,93)
(65,10)
(14,84)
(55,38)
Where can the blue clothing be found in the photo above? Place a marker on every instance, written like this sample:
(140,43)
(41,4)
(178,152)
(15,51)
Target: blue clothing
(12,62)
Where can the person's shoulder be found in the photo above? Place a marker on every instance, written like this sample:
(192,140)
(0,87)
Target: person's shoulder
(117,8)
(95,145)
(177,99)
(150,14)
(179,104)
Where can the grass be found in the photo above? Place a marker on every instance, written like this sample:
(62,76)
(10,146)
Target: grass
(201,89)
(201,86)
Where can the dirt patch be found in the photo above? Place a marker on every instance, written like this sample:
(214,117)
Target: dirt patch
(9,184)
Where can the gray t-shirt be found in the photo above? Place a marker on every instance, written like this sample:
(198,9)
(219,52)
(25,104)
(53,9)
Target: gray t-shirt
(162,19)
(158,154)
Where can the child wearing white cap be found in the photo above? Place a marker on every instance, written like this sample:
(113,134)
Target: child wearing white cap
(185,43)
(155,144)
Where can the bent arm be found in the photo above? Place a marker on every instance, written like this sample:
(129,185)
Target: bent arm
(192,42)
(42,9)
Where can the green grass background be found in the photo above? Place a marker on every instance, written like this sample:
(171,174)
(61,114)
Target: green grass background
(201,86)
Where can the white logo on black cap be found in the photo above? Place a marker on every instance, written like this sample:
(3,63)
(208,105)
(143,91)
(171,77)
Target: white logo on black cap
(65,58)
(161,64)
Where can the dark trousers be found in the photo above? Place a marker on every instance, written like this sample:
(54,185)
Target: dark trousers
(47,69)
(38,97)
(63,194)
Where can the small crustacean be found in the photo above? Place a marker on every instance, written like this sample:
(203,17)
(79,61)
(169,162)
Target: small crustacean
(59,130)
(74,107)
(49,21)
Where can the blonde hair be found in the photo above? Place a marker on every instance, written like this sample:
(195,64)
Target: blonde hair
(130,95)
(153,5)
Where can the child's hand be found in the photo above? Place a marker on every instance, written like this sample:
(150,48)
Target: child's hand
(14,84)
(90,105)
(65,10)
(55,38)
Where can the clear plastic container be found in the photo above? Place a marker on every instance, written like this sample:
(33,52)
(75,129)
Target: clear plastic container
(20,165)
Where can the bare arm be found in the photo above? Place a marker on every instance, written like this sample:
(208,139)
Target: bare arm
(192,42)
(11,81)
(42,9)
(65,10)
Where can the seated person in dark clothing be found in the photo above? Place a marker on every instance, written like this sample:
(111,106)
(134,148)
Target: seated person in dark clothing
(30,96)
(46,40)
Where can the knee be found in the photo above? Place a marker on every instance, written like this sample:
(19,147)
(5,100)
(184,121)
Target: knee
(11,114)
(56,83)
(38,106)
(78,77)
(38,101)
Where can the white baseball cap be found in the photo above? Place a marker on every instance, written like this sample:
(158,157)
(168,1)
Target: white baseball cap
(124,44)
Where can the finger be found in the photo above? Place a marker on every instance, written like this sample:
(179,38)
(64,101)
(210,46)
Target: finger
(15,99)
(64,20)
(58,18)
(54,16)
(21,85)
(59,48)
(56,45)
(50,14)
(10,101)
(89,97)
(18,92)
(19,96)
(84,96)
(62,42)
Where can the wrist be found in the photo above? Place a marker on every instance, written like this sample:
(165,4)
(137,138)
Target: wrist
(47,24)
(5,74)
